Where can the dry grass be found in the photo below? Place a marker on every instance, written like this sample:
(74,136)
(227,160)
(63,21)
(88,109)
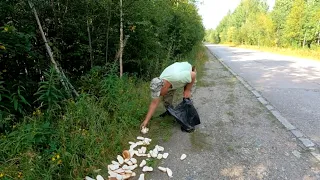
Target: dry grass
(313,53)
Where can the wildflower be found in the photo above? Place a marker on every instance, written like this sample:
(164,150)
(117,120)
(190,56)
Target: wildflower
(132,28)
(19,174)
(37,112)
(59,162)
(1,175)
(58,156)
(53,159)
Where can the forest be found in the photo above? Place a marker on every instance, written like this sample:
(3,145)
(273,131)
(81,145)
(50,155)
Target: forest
(74,78)
(289,24)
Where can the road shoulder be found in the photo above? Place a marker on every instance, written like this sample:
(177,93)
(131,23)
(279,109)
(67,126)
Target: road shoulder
(238,137)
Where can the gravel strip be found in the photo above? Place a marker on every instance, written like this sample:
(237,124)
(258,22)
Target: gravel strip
(238,137)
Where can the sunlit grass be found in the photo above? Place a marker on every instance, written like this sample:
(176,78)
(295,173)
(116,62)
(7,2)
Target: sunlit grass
(313,53)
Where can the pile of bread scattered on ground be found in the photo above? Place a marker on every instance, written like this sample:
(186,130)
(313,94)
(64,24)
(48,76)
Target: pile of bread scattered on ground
(125,165)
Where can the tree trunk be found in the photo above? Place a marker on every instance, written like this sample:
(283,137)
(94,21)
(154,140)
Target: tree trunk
(90,43)
(318,33)
(70,85)
(124,45)
(63,79)
(304,39)
(278,37)
(121,39)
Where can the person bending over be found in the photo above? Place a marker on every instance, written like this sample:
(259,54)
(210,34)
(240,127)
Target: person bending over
(177,75)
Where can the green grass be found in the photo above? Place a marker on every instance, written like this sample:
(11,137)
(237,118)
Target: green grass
(86,133)
(231,99)
(199,141)
(199,56)
(86,136)
(230,113)
(152,162)
(230,148)
(232,81)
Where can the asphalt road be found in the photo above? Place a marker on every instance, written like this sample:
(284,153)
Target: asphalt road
(290,84)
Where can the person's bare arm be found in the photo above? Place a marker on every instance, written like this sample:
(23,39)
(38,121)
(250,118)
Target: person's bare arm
(154,104)
(152,107)
(188,87)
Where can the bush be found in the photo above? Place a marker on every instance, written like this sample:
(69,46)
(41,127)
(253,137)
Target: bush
(84,136)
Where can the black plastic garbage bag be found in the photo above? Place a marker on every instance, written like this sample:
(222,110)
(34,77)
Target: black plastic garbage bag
(186,115)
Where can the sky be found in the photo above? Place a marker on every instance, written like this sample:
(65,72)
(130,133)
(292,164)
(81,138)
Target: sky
(212,11)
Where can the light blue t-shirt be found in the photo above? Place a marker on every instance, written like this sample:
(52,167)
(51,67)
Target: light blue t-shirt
(178,74)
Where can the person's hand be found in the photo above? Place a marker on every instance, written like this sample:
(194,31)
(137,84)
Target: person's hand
(187,94)
(143,124)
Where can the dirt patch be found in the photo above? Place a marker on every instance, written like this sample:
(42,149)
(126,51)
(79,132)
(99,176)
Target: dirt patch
(238,138)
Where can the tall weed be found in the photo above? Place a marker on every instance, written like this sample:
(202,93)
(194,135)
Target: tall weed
(49,91)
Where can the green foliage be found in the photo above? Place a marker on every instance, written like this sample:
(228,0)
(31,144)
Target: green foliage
(5,99)
(162,31)
(43,135)
(4,95)
(212,36)
(87,134)
(49,93)
(158,31)
(17,99)
(12,102)
(311,23)
(279,15)
(26,136)
(291,23)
